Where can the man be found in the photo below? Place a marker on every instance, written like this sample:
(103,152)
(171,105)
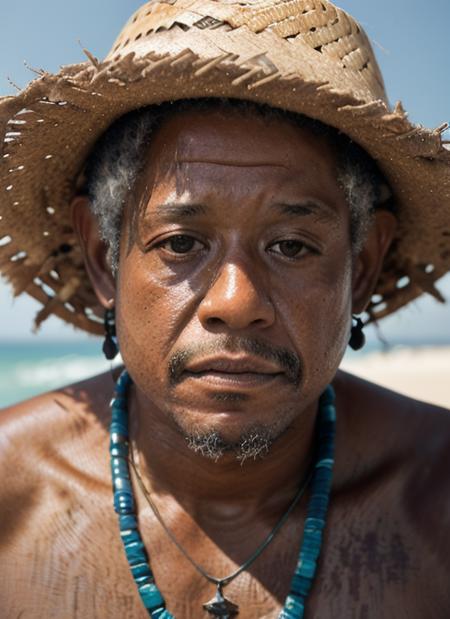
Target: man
(229,241)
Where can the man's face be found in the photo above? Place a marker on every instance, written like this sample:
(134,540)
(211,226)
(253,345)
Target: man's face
(234,287)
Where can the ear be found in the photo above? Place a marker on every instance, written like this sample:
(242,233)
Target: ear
(369,262)
(94,251)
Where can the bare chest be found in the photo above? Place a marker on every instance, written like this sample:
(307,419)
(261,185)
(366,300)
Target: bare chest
(74,566)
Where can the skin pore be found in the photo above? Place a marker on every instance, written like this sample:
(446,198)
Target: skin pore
(233,251)
(233,299)
(227,294)
(118,158)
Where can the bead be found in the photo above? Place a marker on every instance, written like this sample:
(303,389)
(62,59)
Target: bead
(127,522)
(321,476)
(325,463)
(151,596)
(121,484)
(119,449)
(300,586)
(328,413)
(130,535)
(137,559)
(307,568)
(118,437)
(119,407)
(136,554)
(141,570)
(144,580)
(123,382)
(313,522)
(123,506)
(313,537)
(121,388)
(119,468)
(124,495)
(293,608)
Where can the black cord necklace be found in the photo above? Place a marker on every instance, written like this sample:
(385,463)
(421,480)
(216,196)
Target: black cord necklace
(219,603)
(124,505)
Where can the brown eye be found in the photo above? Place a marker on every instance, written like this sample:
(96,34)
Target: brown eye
(290,248)
(180,244)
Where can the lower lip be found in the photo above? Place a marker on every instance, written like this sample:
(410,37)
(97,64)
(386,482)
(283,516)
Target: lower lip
(241,379)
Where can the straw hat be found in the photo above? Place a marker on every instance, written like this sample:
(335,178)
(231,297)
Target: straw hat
(306,56)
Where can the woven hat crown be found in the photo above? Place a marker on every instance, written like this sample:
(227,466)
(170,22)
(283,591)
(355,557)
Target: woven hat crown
(315,24)
(305,56)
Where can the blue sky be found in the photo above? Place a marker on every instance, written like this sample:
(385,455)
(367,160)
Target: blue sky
(410,38)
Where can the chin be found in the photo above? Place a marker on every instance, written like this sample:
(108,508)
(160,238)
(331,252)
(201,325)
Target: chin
(231,431)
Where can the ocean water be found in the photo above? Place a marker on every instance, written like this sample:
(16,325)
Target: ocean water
(32,367)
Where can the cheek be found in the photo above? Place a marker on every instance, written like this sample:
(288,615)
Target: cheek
(153,310)
(319,310)
(149,317)
(334,314)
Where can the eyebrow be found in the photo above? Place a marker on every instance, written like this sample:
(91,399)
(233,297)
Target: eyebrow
(176,211)
(307,207)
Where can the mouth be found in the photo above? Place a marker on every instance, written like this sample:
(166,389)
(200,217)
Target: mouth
(233,372)
(233,379)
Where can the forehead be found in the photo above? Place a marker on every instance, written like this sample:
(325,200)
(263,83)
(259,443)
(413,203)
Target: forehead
(226,159)
(236,139)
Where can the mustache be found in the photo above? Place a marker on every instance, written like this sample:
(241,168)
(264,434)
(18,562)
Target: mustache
(288,361)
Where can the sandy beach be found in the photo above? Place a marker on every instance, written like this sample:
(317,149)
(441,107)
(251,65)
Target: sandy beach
(421,373)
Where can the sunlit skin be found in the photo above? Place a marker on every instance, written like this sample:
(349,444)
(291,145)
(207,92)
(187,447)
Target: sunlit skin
(240,203)
(233,297)
(267,231)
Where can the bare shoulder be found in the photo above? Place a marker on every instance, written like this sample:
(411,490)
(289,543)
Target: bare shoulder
(396,427)
(54,435)
(56,416)
(411,439)
(55,491)
(412,424)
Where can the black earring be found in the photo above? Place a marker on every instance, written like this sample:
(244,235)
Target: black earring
(357,337)
(110,347)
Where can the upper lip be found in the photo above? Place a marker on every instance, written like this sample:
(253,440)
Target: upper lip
(233,365)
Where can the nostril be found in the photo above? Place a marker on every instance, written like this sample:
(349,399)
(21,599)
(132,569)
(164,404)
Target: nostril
(214,321)
(258,321)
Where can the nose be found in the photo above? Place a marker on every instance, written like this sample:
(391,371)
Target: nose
(237,301)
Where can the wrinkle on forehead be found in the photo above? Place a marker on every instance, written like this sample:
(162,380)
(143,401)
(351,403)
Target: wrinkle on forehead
(201,156)
(188,182)
(233,163)
(232,142)
(200,180)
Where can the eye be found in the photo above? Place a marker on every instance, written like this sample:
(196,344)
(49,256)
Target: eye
(290,248)
(181,244)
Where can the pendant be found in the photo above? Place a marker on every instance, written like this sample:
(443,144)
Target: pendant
(220,606)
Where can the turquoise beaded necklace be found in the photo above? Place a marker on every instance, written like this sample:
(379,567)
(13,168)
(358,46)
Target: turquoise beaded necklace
(124,505)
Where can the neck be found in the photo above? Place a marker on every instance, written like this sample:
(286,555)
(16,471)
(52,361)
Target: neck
(124,504)
(170,467)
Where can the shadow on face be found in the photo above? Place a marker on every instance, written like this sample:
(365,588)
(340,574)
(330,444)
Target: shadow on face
(236,268)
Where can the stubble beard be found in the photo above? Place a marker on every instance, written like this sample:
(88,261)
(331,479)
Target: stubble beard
(254,442)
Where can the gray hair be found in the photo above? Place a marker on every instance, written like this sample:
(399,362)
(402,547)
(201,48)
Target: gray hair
(118,158)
